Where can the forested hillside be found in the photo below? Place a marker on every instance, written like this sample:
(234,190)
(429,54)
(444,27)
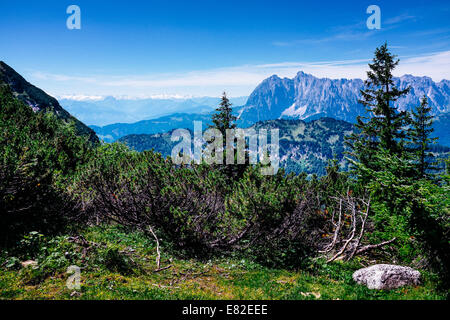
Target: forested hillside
(38,100)
(304,146)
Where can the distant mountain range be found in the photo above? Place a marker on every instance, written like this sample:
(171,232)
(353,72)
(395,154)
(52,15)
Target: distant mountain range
(306,96)
(291,105)
(111,110)
(38,100)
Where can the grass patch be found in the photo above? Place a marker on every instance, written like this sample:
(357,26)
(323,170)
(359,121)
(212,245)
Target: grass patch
(116,264)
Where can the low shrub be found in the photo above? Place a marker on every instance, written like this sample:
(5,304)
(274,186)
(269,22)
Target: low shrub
(278,217)
(115,261)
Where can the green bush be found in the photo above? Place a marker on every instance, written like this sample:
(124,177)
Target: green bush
(13,263)
(139,190)
(277,217)
(115,261)
(37,152)
(33,275)
(31,244)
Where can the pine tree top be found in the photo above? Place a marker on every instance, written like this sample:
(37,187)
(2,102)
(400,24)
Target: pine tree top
(224,118)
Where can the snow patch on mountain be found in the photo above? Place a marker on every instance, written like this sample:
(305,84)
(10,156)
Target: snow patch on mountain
(293,111)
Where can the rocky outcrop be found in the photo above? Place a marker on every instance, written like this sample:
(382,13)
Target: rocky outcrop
(307,97)
(386,276)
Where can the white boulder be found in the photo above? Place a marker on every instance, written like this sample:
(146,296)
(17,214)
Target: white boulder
(386,276)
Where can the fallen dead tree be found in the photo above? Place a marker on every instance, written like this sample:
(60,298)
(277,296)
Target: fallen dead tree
(349,222)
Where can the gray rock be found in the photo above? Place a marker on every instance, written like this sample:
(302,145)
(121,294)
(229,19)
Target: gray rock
(386,276)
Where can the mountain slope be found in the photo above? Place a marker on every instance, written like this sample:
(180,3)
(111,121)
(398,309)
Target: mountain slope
(304,146)
(38,100)
(111,133)
(306,96)
(160,142)
(441,129)
(308,146)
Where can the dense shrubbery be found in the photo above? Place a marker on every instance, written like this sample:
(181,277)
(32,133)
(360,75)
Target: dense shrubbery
(190,208)
(280,216)
(416,211)
(141,190)
(50,174)
(37,152)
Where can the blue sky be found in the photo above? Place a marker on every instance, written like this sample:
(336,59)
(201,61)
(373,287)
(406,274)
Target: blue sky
(143,48)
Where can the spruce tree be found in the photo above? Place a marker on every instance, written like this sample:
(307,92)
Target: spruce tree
(224,119)
(420,131)
(383,127)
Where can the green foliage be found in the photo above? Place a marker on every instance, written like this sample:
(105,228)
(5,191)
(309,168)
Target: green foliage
(416,211)
(421,129)
(278,217)
(393,163)
(37,152)
(30,245)
(50,177)
(335,182)
(32,276)
(161,143)
(13,263)
(193,212)
(430,224)
(383,126)
(305,147)
(230,278)
(115,261)
(143,189)
(224,118)
(47,256)
(41,102)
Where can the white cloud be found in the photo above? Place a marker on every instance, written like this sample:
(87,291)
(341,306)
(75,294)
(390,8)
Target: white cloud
(237,81)
(350,35)
(82,97)
(79,97)
(400,18)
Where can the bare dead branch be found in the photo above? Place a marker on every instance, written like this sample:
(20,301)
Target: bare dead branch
(346,241)
(162,269)
(375,246)
(158,253)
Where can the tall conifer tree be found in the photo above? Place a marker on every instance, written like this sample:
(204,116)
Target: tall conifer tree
(420,131)
(223,120)
(383,127)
